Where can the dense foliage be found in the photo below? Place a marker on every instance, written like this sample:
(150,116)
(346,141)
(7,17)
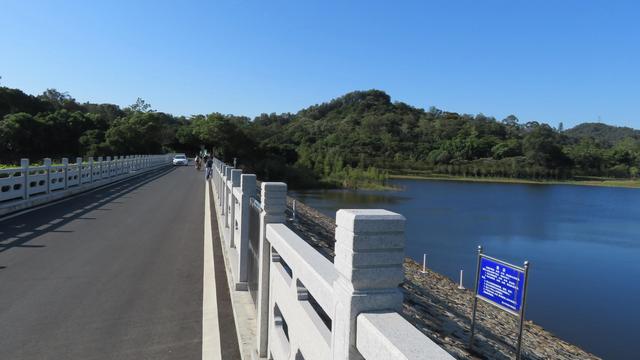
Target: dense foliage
(350,141)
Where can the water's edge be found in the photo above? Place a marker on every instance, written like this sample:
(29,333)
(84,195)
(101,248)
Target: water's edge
(435,305)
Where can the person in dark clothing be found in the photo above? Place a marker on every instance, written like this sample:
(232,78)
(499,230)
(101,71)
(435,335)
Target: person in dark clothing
(209,166)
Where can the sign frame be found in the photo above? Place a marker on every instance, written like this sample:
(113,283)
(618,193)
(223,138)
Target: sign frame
(520,313)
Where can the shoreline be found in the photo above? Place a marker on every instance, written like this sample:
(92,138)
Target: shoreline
(436,307)
(613,183)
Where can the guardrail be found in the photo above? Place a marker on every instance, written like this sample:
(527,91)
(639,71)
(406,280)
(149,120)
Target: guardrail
(26,186)
(307,307)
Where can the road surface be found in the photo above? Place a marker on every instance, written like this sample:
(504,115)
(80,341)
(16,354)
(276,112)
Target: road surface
(111,274)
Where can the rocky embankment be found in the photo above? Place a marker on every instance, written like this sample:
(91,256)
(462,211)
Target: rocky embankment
(435,305)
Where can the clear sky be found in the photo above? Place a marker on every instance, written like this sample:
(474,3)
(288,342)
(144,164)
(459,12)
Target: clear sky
(549,61)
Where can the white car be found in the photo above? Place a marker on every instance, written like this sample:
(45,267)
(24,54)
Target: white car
(180,159)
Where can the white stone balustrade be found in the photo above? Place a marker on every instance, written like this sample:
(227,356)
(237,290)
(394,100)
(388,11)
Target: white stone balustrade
(383,336)
(246,192)
(26,186)
(306,306)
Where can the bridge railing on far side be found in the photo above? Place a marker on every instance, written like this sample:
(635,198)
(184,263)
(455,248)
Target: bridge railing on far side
(26,186)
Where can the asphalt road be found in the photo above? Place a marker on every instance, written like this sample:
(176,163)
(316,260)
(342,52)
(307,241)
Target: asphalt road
(111,274)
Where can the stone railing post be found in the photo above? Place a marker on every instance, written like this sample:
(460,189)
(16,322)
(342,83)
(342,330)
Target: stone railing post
(220,182)
(91,169)
(100,166)
(223,180)
(222,189)
(216,180)
(235,182)
(65,162)
(108,161)
(227,196)
(225,192)
(248,188)
(369,261)
(79,164)
(47,166)
(24,164)
(274,203)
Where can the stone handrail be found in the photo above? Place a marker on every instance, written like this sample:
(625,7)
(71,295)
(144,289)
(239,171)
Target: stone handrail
(305,306)
(309,266)
(26,186)
(384,336)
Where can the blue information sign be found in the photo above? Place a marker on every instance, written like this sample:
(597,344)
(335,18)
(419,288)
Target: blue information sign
(501,284)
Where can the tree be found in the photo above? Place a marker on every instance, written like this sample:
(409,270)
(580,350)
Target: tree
(60,100)
(587,155)
(540,146)
(19,137)
(507,148)
(137,133)
(139,106)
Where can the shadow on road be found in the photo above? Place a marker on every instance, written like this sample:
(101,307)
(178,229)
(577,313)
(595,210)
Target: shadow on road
(18,231)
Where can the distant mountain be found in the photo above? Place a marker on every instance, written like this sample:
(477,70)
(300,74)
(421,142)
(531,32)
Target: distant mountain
(603,133)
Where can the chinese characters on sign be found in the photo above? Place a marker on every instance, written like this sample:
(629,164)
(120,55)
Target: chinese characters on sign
(501,284)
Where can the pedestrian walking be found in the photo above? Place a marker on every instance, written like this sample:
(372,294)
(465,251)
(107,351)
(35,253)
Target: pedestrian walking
(198,161)
(209,167)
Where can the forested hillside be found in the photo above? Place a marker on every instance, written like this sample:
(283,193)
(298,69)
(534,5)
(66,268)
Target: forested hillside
(602,133)
(349,141)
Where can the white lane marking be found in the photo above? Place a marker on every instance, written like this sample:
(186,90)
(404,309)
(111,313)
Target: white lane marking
(210,328)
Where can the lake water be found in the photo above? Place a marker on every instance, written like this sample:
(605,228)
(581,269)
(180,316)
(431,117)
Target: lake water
(583,244)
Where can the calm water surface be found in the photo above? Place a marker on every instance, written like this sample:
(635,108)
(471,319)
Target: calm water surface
(583,244)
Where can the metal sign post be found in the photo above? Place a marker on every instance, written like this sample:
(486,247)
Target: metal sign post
(475,299)
(502,285)
(524,301)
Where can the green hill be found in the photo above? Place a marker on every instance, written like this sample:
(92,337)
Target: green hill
(353,140)
(603,133)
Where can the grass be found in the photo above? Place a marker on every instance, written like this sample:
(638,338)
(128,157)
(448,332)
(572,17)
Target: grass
(590,181)
(378,187)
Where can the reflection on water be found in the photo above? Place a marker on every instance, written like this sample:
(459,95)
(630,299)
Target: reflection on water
(583,244)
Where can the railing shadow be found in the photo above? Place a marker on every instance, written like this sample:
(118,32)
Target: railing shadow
(18,231)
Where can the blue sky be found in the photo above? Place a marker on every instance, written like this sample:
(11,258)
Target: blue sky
(549,61)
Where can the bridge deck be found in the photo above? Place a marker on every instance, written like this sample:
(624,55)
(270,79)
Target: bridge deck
(111,274)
